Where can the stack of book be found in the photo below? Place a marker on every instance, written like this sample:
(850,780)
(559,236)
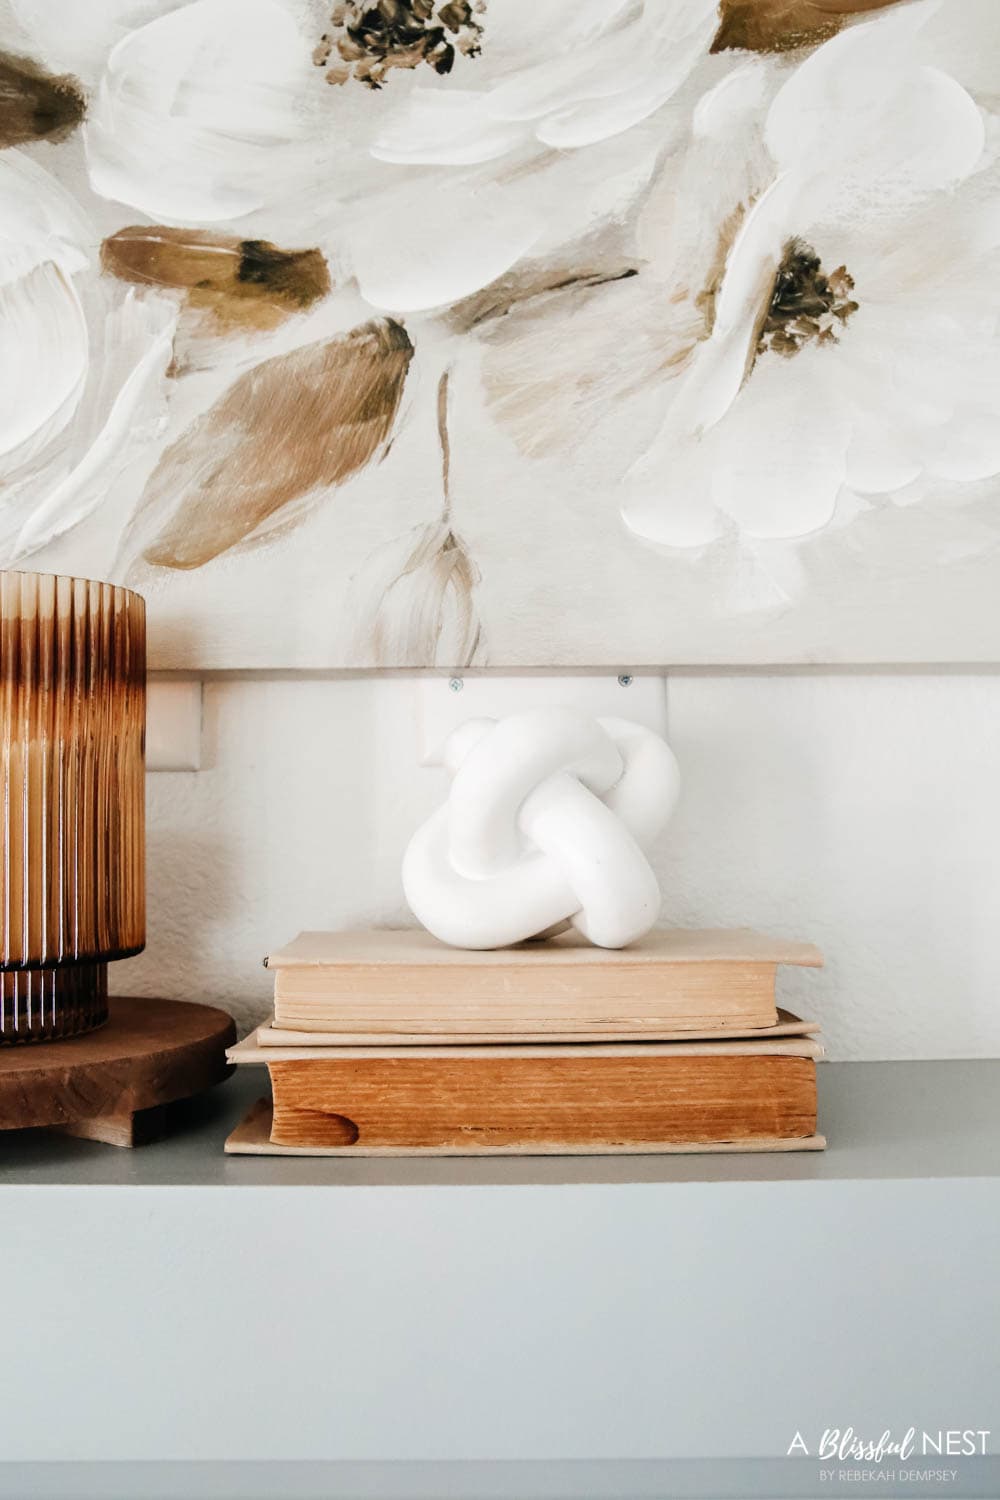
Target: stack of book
(390,1043)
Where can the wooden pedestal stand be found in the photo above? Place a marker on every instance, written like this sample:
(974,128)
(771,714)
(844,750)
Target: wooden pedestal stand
(115,1084)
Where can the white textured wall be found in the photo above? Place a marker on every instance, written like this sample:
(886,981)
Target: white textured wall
(856,809)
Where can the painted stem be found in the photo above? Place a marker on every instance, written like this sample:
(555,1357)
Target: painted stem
(445,441)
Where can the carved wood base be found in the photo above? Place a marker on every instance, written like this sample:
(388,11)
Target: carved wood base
(116,1084)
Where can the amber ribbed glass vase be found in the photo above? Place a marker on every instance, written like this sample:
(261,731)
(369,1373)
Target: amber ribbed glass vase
(72,736)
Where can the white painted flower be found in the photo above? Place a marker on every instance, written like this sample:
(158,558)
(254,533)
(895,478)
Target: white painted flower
(425,186)
(76,38)
(583,372)
(198,112)
(579,73)
(79,359)
(854,344)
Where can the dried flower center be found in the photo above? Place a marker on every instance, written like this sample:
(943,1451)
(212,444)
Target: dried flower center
(366,41)
(806,305)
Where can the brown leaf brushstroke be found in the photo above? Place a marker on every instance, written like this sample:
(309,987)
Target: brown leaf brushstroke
(36,105)
(512,291)
(295,423)
(783,25)
(249,283)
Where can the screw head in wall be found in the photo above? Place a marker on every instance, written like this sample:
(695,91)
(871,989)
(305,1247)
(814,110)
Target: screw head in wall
(624,680)
(456,684)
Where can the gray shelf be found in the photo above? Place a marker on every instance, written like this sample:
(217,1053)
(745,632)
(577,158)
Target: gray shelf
(503,1328)
(882,1120)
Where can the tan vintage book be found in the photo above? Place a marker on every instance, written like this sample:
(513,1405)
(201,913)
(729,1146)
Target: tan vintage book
(270,1035)
(541,1099)
(371,983)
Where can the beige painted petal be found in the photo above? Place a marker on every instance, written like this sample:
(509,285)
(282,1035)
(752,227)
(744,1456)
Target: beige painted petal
(297,423)
(782,25)
(585,372)
(413,603)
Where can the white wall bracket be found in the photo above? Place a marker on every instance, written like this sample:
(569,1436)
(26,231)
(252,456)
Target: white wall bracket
(173,725)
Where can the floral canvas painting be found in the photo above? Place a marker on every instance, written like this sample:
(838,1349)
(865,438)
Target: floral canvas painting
(418,333)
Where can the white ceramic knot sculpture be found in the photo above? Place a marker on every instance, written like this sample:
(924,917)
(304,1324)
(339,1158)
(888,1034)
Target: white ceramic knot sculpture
(544,824)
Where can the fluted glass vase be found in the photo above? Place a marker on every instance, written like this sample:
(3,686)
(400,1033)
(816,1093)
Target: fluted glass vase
(72,830)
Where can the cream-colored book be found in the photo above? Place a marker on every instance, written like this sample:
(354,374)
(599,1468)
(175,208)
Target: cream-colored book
(270,1035)
(404,982)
